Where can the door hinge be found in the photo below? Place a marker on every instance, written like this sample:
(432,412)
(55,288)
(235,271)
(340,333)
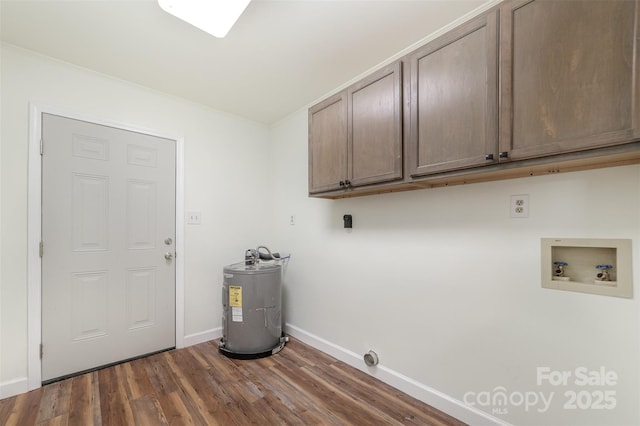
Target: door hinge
(41,350)
(41,249)
(41,146)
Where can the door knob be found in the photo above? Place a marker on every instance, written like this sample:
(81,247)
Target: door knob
(168,241)
(168,256)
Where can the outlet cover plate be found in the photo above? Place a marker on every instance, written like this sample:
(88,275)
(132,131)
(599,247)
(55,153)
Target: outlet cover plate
(519,206)
(193,217)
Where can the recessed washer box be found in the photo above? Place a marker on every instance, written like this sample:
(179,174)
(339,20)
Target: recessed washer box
(588,265)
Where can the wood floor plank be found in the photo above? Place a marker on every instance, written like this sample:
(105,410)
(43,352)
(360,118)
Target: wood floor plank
(370,411)
(6,405)
(48,403)
(321,398)
(114,406)
(401,406)
(174,402)
(200,386)
(62,420)
(25,408)
(84,406)
(175,410)
(292,406)
(147,411)
(138,381)
(305,354)
(55,401)
(202,401)
(284,395)
(370,391)
(161,378)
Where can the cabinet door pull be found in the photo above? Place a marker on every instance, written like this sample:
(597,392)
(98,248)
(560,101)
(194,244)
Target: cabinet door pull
(341,183)
(488,157)
(347,183)
(504,154)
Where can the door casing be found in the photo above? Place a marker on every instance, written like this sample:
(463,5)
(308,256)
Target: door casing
(34,232)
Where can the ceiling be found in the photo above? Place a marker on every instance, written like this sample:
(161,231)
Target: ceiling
(280,56)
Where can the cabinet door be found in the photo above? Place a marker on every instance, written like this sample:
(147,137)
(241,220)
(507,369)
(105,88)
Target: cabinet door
(454,95)
(570,76)
(375,127)
(328,144)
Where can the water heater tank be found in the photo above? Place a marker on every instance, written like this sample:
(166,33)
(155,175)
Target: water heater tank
(252,310)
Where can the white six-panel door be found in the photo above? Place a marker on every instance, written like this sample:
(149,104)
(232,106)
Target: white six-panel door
(108,232)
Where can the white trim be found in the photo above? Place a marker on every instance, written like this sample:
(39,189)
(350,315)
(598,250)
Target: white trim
(203,336)
(34,232)
(13,387)
(179,242)
(422,392)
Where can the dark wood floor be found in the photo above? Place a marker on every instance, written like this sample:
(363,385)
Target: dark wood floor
(198,386)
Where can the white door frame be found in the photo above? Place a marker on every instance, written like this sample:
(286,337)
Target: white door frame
(34,232)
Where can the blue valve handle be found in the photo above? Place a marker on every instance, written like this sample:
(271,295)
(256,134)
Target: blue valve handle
(604,267)
(560,263)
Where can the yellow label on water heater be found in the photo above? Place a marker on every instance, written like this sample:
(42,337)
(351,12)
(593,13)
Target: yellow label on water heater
(235,296)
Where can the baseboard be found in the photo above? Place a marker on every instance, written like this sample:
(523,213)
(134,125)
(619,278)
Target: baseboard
(422,392)
(203,336)
(14,387)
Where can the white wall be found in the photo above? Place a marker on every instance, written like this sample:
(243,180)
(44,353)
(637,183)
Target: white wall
(224,158)
(445,286)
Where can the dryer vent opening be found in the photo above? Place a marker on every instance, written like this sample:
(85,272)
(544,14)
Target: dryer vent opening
(371,359)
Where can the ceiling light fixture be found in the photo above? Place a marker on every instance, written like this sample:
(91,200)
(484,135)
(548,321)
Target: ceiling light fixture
(215,17)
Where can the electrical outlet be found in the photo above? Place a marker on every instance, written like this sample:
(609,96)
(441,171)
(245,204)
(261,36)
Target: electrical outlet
(193,218)
(520,206)
(292,219)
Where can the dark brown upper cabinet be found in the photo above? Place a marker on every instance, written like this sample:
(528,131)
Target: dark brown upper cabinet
(454,99)
(328,144)
(355,137)
(569,76)
(375,127)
